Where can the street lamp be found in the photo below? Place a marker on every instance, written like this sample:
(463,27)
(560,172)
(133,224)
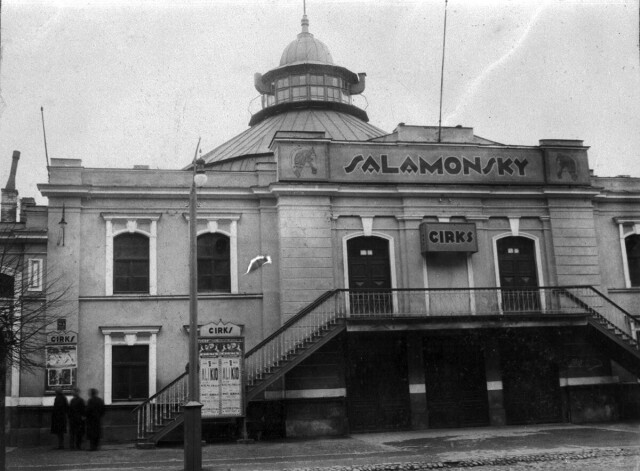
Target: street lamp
(192,409)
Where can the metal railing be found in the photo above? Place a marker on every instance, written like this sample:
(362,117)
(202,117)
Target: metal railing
(162,407)
(417,303)
(600,305)
(324,313)
(310,322)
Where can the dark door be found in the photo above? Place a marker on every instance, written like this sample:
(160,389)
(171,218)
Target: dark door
(378,387)
(456,383)
(369,275)
(518,274)
(530,379)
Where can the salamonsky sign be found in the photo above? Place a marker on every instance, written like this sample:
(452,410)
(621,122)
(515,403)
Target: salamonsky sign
(420,164)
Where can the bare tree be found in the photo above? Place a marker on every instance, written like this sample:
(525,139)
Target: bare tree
(32,299)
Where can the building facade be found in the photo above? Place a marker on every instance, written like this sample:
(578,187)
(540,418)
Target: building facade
(421,278)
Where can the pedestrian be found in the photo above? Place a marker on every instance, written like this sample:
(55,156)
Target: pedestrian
(59,417)
(94,412)
(76,420)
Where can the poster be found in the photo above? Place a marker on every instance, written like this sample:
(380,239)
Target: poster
(221,376)
(62,363)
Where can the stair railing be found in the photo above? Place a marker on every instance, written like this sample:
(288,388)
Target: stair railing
(162,407)
(318,316)
(599,304)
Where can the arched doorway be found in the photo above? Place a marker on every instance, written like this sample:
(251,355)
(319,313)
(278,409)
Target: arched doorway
(369,271)
(518,273)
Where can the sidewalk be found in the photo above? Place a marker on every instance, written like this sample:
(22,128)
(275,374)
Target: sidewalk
(424,447)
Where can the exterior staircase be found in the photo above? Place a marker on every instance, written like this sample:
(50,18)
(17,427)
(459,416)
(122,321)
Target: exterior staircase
(328,316)
(612,328)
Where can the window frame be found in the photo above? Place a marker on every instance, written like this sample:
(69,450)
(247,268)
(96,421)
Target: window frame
(226,224)
(627,227)
(129,336)
(212,261)
(129,366)
(145,224)
(35,269)
(130,262)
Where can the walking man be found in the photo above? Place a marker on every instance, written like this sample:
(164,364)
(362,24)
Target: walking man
(59,417)
(94,413)
(76,420)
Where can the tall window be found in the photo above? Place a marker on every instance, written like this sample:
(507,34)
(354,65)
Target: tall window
(130,372)
(6,286)
(131,263)
(632,244)
(214,267)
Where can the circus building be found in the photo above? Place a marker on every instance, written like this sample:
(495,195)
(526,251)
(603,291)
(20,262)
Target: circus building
(419,278)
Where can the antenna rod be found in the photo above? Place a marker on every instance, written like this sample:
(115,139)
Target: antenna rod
(304,7)
(44,133)
(444,42)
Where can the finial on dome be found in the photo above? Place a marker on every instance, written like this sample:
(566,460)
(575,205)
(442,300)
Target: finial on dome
(305,20)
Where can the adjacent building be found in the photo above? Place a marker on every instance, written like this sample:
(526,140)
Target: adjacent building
(421,278)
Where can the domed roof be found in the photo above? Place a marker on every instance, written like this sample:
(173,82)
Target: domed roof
(255,141)
(306,48)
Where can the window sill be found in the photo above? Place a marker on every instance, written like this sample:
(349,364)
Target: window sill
(178,297)
(633,289)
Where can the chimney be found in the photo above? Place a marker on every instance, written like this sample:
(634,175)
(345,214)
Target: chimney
(26,204)
(9,209)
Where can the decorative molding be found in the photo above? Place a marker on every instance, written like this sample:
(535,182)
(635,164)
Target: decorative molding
(367,225)
(392,261)
(130,336)
(514,224)
(34,274)
(536,242)
(132,224)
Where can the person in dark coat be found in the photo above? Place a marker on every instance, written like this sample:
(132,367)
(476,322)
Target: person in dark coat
(94,412)
(59,417)
(76,420)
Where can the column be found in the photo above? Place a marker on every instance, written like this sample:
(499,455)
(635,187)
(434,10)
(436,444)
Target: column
(417,390)
(493,371)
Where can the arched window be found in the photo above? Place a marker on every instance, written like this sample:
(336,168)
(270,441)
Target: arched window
(214,266)
(131,263)
(632,244)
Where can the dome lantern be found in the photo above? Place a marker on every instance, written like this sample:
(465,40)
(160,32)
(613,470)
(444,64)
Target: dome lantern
(307,78)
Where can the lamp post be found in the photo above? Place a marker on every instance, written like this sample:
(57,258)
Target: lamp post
(192,409)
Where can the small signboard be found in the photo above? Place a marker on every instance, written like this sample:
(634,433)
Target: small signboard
(61,353)
(448,237)
(221,348)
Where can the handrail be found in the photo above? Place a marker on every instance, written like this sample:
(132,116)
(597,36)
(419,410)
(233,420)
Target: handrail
(300,314)
(155,396)
(613,303)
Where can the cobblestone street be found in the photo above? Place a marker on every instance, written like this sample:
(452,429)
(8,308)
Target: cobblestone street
(595,447)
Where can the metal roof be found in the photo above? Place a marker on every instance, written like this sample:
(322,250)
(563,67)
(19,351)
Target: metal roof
(255,140)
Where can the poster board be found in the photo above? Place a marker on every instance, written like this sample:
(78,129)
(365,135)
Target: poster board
(221,352)
(61,353)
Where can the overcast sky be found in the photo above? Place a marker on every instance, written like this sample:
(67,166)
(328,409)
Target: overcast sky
(127,82)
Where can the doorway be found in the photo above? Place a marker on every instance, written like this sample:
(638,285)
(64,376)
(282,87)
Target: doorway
(518,274)
(369,275)
(378,385)
(455,380)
